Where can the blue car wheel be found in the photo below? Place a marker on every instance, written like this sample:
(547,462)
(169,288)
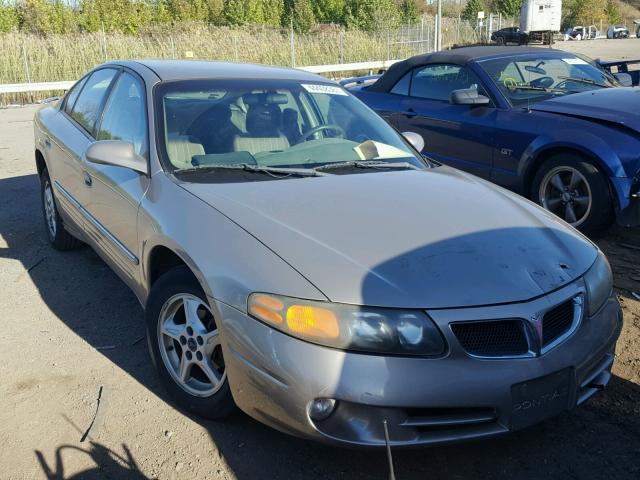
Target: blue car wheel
(575,190)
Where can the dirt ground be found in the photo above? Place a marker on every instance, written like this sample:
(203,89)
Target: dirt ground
(70,329)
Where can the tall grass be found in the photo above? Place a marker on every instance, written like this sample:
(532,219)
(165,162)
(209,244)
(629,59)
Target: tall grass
(31,58)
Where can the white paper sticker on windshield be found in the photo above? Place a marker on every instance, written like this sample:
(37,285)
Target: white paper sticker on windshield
(574,61)
(328,89)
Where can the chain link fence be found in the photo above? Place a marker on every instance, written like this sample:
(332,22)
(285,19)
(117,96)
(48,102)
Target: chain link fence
(32,58)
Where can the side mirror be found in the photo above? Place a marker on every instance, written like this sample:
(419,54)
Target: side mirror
(117,153)
(624,79)
(467,96)
(415,139)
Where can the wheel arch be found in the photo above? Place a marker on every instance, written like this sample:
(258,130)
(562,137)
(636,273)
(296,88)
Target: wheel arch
(535,162)
(41,163)
(161,258)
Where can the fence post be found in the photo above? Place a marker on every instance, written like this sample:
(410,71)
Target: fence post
(341,47)
(435,34)
(173,47)
(104,43)
(235,47)
(293,47)
(388,44)
(26,62)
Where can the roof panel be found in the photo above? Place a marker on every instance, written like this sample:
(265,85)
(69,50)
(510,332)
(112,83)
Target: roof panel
(199,69)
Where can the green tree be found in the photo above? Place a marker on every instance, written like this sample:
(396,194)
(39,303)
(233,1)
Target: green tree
(9,17)
(612,12)
(299,14)
(470,11)
(329,11)
(371,15)
(215,11)
(272,12)
(584,12)
(234,12)
(508,8)
(409,12)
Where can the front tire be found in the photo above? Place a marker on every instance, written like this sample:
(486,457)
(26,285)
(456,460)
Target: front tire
(185,345)
(58,237)
(576,190)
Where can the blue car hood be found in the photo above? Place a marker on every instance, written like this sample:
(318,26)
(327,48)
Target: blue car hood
(614,105)
(436,239)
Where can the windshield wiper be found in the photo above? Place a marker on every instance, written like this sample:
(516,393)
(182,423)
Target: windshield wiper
(539,89)
(278,172)
(367,164)
(584,80)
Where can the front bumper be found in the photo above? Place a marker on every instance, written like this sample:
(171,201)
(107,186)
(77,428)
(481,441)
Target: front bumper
(274,377)
(628,192)
(630,215)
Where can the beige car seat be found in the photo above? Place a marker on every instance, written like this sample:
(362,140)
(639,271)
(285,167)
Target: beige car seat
(181,150)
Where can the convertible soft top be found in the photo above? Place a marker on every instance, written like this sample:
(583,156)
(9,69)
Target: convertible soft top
(457,56)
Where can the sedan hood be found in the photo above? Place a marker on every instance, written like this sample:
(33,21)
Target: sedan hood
(614,105)
(421,239)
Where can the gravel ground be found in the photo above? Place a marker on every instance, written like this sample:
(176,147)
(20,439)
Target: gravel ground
(70,328)
(602,48)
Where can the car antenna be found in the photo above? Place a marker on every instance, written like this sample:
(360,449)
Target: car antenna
(392,475)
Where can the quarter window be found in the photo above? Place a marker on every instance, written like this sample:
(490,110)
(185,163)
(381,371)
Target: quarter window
(87,107)
(124,115)
(436,82)
(402,87)
(73,95)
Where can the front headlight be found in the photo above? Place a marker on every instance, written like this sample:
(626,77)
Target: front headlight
(599,283)
(349,327)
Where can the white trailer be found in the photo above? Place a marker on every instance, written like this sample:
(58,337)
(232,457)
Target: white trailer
(540,19)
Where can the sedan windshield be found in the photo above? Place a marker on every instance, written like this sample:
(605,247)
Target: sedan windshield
(269,128)
(528,79)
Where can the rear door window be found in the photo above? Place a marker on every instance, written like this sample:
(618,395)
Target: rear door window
(89,103)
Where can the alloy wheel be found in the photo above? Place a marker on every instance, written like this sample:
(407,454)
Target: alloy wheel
(49,210)
(189,342)
(566,192)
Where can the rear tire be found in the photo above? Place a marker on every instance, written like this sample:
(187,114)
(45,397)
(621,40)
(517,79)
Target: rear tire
(185,346)
(58,237)
(573,188)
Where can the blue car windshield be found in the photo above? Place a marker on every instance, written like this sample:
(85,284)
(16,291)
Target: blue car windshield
(271,124)
(526,79)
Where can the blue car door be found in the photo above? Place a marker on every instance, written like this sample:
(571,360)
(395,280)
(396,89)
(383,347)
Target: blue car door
(458,135)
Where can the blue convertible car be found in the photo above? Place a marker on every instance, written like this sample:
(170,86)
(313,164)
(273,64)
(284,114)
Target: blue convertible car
(542,122)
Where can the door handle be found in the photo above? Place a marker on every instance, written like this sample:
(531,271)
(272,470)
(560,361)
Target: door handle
(410,113)
(87,179)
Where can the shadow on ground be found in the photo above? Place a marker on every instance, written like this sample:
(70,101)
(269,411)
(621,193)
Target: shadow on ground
(109,464)
(599,440)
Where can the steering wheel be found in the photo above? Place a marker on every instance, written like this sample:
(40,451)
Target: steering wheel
(319,128)
(544,82)
(574,85)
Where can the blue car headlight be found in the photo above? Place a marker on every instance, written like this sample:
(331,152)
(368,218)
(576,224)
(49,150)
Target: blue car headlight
(599,283)
(350,327)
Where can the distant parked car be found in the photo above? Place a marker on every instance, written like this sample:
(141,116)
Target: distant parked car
(581,33)
(617,31)
(542,122)
(637,24)
(298,258)
(509,35)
